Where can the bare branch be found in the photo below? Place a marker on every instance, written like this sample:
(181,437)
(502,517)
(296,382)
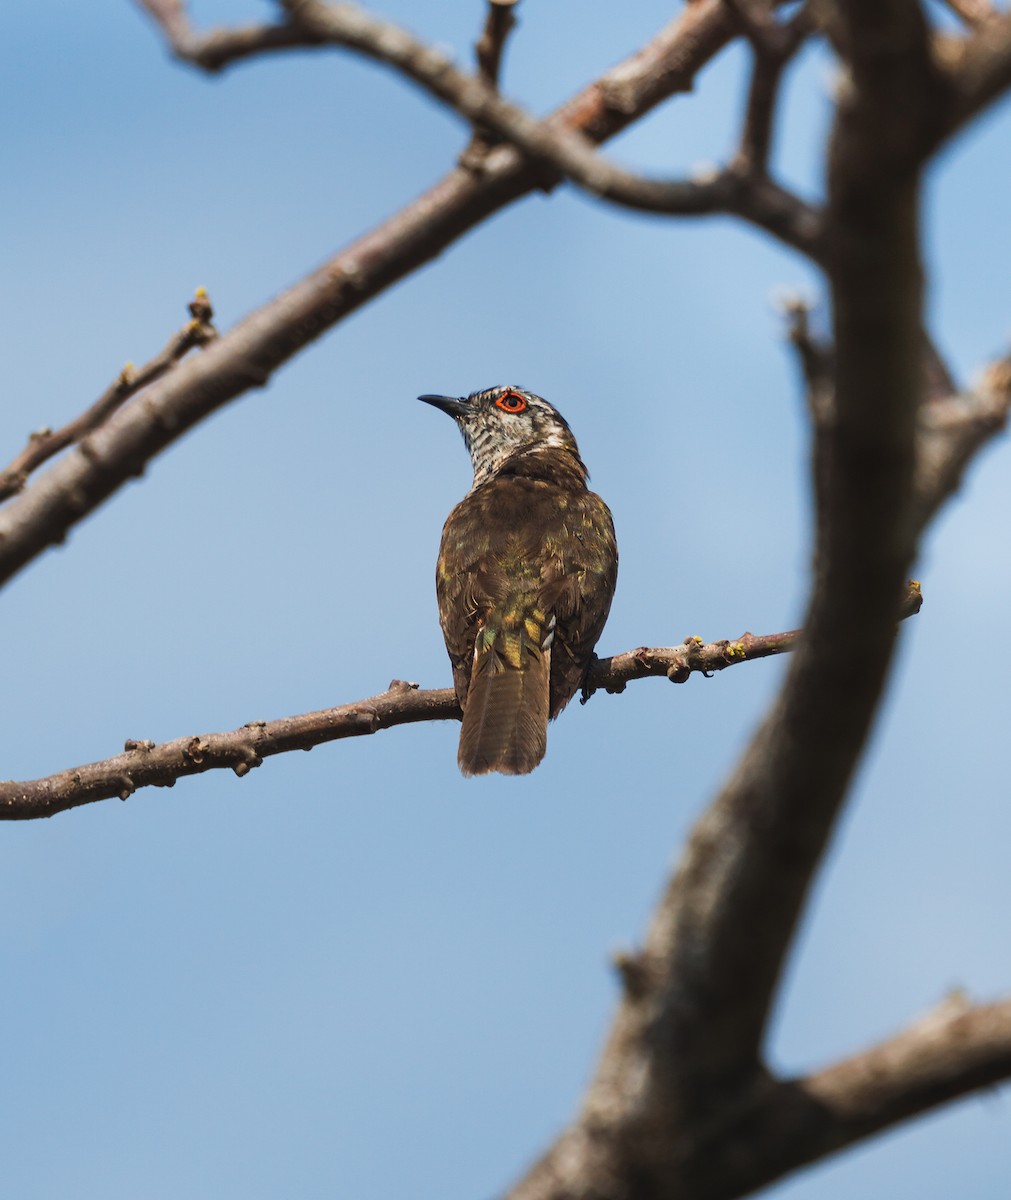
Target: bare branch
(218,48)
(774,817)
(773,45)
(143,764)
(497,27)
(551,144)
(678,663)
(686,1042)
(46,443)
(953,431)
(954,1050)
(777,1126)
(977,69)
(247,355)
(498,24)
(815,358)
(952,426)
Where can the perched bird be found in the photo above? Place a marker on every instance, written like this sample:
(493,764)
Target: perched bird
(525,576)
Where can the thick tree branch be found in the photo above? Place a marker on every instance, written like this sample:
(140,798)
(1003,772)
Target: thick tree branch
(688,1035)
(780,1125)
(247,355)
(776,1126)
(144,764)
(774,817)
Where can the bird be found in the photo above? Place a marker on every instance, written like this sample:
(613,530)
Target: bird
(525,576)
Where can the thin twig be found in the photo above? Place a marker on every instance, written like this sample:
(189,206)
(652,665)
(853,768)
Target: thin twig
(815,358)
(216,49)
(46,443)
(773,45)
(951,433)
(143,764)
(499,22)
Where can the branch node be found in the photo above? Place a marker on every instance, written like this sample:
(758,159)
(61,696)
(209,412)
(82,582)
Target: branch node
(195,750)
(249,761)
(633,971)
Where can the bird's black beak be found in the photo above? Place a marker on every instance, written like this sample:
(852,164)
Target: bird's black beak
(452,405)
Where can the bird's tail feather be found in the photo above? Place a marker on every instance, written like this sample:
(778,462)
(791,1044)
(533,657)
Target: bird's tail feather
(505,721)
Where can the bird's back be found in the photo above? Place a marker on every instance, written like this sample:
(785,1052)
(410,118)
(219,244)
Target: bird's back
(525,578)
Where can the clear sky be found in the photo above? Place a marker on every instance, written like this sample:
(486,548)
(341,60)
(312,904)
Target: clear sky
(354,973)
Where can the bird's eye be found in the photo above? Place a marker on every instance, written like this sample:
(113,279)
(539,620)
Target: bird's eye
(511,402)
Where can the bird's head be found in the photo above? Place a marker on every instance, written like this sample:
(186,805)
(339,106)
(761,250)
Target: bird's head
(501,422)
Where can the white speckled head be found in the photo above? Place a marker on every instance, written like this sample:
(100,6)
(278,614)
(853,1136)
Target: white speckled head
(501,422)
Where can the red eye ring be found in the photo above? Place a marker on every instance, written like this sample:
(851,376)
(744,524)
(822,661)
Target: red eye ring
(511,402)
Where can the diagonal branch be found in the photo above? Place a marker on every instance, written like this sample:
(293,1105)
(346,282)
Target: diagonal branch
(144,764)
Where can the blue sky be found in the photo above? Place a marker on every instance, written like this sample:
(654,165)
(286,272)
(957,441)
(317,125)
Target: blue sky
(258,987)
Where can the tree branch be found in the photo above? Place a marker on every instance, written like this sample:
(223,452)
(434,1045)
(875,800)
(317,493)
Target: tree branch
(952,432)
(773,45)
(499,23)
(977,69)
(687,1037)
(46,443)
(248,354)
(552,144)
(144,764)
(219,48)
(778,1126)
(956,1049)
(952,426)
